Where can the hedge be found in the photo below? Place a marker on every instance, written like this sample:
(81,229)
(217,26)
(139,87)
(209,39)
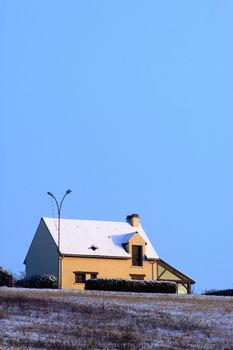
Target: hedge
(38,281)
(6,278)
(122,285)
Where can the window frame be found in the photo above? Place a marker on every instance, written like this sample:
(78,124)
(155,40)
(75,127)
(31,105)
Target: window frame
(137,256)
(77,275)
(86,275)
(137,277)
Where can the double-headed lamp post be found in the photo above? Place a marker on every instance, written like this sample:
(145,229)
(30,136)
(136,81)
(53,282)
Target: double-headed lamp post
(59,206)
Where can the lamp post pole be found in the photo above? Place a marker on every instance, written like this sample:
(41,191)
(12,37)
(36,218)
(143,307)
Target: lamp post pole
(59,206)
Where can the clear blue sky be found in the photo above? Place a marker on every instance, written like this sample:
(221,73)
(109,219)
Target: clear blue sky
(129,104)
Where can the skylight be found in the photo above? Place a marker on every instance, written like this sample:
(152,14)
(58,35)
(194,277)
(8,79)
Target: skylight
(93,247)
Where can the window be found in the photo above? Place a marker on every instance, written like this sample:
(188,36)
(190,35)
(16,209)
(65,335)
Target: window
(137,277)
(137,255)
(80,277)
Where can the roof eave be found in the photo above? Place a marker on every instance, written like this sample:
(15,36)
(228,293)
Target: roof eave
(95,256)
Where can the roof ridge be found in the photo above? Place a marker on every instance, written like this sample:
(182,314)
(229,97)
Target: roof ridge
(118,222)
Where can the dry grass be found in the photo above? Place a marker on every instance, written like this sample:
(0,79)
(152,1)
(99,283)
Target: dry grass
(40,319)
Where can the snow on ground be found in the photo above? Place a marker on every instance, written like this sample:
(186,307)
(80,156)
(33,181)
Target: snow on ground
(54,319)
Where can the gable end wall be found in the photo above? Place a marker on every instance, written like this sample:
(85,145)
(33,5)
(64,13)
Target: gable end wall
(42,257)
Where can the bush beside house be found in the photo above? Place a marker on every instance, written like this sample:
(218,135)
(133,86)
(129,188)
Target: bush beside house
(39,281)
(122,285)
(6,278)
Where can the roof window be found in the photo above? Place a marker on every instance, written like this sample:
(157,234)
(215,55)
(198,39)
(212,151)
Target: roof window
(93,247)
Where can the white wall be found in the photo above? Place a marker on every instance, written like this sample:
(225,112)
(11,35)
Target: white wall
(42,256)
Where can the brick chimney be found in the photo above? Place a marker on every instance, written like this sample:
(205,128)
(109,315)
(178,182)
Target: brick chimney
(133,220)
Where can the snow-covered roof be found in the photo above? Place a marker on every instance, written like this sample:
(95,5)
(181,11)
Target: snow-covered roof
(96,238)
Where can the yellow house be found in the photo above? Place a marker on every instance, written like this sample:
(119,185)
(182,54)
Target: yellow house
(98,249)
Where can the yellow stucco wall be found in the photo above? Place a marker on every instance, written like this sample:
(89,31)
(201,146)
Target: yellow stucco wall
(113,268)
(136,240)
(105,267)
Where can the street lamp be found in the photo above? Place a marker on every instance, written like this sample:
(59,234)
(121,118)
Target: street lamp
(59,205)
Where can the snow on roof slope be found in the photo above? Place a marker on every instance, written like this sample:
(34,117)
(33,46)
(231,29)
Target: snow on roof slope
(78,236)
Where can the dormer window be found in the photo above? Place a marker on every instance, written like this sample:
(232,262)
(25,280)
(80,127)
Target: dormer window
(93,247)
(137,256)
(126,247)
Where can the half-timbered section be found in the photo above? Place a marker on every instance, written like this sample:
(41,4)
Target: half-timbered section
(166,272)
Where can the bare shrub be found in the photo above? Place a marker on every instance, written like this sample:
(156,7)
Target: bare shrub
(6,278)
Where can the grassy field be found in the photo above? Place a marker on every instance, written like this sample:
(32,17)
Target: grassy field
(43,319)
